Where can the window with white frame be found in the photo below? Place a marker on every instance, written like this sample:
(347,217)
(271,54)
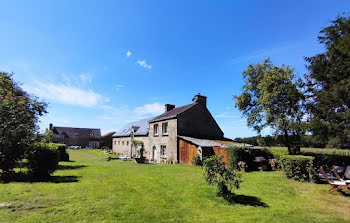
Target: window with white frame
(123,143)
(163,151)
(156,129)
(165,128)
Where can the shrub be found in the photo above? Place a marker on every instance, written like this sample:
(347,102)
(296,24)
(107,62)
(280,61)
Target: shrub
(247,155)
(42,160)
(299,167)
(328,160)
(197,161)
(226,179)
(61,149)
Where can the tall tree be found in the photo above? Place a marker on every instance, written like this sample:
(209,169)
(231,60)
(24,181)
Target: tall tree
(271,98)
(19,114)
(328,83)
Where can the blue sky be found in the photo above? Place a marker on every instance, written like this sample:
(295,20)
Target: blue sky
(103,63)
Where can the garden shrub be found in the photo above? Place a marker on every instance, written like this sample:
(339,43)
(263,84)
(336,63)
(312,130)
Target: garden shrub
(327,160)
(299,167)
(42,160)
(197,161)
(226,179)
(247,155)
(61,148)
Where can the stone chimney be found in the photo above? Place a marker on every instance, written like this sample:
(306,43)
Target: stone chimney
(200,99)
(50,126)
(169,107)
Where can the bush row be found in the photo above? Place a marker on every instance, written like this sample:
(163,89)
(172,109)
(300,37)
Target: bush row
(328,160)
(299,167)
(42,160)
(61,149)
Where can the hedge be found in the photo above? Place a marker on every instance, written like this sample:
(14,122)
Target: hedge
(328,160)
(61,148)
(247,155)
(298,167)
(42,160)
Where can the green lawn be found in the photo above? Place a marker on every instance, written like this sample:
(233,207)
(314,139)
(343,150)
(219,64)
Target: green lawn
(91,189)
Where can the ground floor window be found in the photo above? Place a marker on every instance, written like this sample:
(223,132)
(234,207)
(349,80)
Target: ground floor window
(163,151)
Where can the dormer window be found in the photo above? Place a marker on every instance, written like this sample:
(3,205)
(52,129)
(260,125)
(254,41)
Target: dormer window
(156,129)
(165,128)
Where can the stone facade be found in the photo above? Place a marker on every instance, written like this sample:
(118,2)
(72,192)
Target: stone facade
(189,120)
(168,140)
(123,146)
(197,122)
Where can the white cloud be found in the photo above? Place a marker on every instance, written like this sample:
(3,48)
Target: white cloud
(128,54)
(107,100)
(143,63)
(65,94)
(153,109)
(86,78)
(119,86)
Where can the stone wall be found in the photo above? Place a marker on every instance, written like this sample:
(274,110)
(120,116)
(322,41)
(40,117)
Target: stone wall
(197,122)
(169,140)
(123,145)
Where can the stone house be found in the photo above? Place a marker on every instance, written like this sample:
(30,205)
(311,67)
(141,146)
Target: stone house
(84,137)
(163,135)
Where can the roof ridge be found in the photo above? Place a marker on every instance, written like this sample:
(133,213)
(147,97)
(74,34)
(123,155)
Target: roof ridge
(172,113)
(75,128)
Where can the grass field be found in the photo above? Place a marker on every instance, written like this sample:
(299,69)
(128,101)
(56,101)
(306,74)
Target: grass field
(90,189)
(284,151)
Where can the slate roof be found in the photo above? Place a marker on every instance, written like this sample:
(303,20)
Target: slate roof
(172,113)
(141,127)
(77,132)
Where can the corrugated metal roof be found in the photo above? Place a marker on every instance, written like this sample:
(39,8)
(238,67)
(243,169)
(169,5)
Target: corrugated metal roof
(141,127)
(172,113)
(211,143)
(201,142)
(228,143)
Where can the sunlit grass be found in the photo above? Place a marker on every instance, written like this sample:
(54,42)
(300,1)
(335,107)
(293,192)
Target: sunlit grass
(92,189)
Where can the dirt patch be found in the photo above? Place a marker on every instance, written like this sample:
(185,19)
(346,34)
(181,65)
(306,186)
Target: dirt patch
(5,205)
